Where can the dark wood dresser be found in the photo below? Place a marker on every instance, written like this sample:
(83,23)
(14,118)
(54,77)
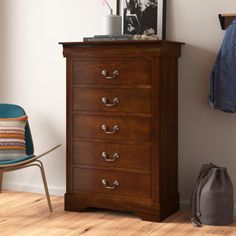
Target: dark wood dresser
(122,127)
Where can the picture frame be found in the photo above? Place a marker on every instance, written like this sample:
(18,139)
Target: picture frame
(143,17)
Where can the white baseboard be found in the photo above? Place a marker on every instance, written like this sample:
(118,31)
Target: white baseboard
(184,205)
(33,188)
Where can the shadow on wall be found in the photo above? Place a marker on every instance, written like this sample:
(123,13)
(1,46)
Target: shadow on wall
(3,49)
(194,115)
(195,70)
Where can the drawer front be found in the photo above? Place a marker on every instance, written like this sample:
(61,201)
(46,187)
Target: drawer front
(122,100)
(112,155)
(118,128)
(124,71)
(112,182)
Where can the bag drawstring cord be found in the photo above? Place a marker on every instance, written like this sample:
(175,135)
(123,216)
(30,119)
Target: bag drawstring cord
(195,201)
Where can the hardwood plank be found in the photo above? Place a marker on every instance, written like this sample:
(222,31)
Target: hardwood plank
(26,214)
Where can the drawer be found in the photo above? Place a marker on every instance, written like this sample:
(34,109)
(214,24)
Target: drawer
(126,71)
(111,127)
(121,100)
(112,155)
(112,182)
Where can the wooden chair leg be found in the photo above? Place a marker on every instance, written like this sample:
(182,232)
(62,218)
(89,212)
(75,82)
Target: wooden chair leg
(45,184)
(1,177)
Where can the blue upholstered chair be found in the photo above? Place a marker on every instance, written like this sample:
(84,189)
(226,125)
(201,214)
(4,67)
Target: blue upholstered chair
(14,111)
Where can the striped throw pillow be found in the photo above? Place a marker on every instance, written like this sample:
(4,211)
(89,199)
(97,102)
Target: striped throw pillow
(12,138)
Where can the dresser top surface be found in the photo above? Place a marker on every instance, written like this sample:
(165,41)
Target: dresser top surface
(124,42)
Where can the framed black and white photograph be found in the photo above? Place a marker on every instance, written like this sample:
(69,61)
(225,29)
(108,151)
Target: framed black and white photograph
(143,17)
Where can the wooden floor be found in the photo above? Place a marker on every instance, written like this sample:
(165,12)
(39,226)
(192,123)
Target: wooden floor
(26,214)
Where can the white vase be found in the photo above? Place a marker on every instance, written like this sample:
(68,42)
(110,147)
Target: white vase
(112,24)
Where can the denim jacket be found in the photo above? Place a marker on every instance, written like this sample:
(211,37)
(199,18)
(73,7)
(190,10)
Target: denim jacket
(223,75)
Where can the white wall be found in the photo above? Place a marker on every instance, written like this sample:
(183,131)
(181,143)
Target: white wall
(32,72)
(205,135)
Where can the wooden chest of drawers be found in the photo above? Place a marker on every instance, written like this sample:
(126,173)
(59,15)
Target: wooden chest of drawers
(122,124)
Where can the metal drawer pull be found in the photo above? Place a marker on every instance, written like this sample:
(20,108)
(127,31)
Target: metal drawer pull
(115,74)
(112,186)
(115,129)
(106,157)
(114,102)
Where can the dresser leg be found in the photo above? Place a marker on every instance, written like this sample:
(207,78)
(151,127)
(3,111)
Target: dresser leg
(78,208)
(148,217)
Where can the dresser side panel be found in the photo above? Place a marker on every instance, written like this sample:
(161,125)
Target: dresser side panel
(169,197)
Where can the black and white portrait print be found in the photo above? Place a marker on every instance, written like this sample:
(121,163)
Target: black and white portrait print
(140,17)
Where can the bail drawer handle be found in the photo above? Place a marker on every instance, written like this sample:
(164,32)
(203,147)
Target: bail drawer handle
(115,74)
(106,157)
(114,102)
(106,129)
(110,186)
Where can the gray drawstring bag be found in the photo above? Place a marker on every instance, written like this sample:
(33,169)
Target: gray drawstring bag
(212,198)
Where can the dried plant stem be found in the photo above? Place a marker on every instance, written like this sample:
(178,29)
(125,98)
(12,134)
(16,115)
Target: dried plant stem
(109,7)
